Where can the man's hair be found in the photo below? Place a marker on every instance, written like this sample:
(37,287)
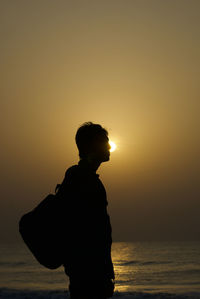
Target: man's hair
(87,135)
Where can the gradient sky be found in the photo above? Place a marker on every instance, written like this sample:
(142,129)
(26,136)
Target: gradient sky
(132,66)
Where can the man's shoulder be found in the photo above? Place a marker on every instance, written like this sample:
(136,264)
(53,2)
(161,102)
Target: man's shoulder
(72,171)
(79,173)
(71,178)
(75,172)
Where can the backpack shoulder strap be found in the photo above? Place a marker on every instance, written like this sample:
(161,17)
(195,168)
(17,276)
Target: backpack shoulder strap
(57,187)
(68,173)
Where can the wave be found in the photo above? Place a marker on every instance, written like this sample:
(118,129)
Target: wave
(7,293)
(126,263)
(12,264)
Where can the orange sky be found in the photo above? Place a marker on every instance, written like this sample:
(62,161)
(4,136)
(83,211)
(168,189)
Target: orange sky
(132,66)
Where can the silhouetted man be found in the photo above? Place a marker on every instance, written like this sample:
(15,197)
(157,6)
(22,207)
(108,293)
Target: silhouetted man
(88,242)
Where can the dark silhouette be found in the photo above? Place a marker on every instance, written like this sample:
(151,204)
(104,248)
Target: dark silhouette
(87,249)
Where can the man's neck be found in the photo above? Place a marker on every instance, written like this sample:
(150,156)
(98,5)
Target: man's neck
(93,164)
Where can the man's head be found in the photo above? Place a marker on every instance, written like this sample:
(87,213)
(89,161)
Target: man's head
(92,141)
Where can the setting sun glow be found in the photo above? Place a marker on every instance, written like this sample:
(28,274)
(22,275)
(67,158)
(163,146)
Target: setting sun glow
(113,146)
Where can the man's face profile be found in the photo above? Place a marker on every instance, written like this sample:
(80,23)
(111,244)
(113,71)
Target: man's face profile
(102,149)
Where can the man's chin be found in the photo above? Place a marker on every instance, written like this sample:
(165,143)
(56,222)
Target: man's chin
(106,158)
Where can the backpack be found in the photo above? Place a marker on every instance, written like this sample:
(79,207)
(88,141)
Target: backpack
(41,230)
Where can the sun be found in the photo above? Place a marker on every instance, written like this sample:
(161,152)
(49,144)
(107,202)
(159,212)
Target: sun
(112,146)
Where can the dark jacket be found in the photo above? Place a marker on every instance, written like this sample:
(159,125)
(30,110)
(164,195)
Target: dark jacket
(88,229)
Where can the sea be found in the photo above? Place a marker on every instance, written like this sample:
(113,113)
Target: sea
(142,270)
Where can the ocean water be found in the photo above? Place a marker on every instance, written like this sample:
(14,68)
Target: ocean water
(143,270)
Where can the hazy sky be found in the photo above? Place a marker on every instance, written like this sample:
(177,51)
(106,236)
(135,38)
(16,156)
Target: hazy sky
(132,66)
